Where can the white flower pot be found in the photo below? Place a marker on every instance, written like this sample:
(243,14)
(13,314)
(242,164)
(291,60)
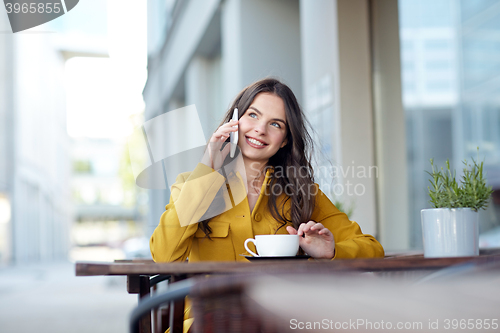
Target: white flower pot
(450,232)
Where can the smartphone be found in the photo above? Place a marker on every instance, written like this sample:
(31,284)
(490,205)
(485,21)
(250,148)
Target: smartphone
(233,136)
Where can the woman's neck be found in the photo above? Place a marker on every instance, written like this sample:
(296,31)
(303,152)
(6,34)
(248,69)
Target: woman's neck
(255,172)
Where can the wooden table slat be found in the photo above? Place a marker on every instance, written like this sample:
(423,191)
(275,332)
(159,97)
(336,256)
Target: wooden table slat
(387,264)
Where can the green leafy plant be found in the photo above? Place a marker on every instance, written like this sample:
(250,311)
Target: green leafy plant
(446,192)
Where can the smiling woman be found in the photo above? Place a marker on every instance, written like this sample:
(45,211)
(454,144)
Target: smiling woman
(262,128)
(272,134)
(280,194)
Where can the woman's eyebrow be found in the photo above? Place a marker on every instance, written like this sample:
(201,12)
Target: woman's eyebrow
(260,114)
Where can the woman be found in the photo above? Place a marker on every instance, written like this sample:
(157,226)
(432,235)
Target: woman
(282,197)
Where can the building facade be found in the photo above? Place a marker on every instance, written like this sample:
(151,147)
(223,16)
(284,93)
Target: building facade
(204,52)
(386,85)
(34,163)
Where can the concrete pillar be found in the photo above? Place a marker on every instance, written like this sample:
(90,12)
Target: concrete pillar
(390,129)
(356,112)
(320,81)
(337,83)
(260,38)
(351,79)
(231,51)
(199,90)
(183,42)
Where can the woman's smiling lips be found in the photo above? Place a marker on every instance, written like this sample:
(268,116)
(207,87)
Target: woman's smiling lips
(255,143)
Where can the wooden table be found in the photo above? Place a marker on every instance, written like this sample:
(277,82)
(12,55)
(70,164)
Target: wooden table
(138,272)
(468,300)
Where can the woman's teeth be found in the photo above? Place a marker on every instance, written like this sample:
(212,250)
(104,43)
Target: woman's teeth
(255,142)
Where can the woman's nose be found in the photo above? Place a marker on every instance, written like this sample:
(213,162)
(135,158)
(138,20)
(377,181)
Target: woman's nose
(260,128)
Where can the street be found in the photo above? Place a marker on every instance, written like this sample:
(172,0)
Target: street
(50,298)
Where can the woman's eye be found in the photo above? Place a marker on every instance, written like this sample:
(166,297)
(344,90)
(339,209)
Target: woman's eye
(252,115)
(276,125)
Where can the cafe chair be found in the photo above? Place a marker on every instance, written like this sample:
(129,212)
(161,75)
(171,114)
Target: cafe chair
(177,291)
(220,304)
(161,316)
(155,279)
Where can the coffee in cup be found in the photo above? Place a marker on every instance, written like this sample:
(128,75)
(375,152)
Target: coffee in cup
(274,245)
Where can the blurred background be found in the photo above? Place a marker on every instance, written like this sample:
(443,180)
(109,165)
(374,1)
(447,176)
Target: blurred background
(71,93)
(385,84)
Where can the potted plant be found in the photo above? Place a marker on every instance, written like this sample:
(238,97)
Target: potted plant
(451,227)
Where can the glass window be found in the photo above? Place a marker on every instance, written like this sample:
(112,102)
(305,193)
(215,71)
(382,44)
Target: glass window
(455,58)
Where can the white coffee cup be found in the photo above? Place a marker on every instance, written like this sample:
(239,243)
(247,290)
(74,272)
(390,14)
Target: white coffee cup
(274,245)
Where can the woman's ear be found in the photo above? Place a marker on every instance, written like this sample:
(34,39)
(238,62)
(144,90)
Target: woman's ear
(284,143)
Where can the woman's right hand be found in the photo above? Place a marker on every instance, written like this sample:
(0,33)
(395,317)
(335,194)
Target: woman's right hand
(213,156)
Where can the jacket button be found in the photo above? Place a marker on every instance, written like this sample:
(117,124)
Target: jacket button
(258,217)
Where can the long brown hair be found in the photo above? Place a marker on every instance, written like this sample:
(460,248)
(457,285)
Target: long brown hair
(292,161)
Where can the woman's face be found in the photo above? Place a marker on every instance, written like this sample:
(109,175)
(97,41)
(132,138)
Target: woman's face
(262,128)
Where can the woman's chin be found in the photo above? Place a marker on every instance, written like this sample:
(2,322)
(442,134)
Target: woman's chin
(255,158)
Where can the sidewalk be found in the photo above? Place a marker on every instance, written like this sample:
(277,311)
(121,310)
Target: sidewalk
(50,298)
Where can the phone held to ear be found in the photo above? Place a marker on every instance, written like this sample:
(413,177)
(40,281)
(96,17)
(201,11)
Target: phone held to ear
(233,136)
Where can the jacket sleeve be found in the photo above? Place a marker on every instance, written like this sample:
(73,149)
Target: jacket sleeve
(190,198)
(350,242)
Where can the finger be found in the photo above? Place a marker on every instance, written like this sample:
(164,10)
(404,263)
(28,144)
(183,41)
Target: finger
(223,135)
(325,232)
(291,230)
(317,226)
(228,130)
(300,232)
(215,137)
(224,130)
(308,226)
(230,125)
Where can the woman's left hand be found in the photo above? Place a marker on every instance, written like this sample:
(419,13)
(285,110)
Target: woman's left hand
(316,240)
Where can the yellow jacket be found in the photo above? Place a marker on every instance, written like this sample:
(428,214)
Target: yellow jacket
(176,239)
